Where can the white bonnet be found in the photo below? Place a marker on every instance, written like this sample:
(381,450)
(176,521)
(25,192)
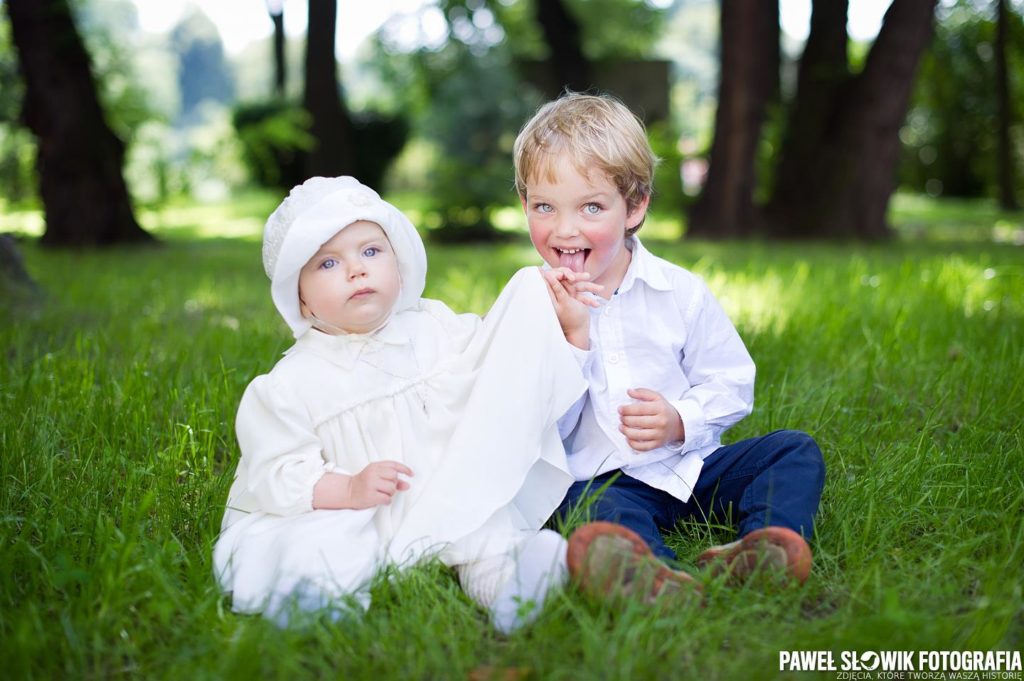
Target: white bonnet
(311,215)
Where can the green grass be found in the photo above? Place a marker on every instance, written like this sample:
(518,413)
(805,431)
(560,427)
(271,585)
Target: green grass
(119,387)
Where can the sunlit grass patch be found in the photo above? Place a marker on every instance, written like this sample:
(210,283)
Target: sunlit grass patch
(951,219)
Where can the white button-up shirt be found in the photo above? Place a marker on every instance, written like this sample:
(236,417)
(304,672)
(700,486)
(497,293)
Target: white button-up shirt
(662,330)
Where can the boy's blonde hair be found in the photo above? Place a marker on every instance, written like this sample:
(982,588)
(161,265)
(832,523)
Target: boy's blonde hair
(598,132)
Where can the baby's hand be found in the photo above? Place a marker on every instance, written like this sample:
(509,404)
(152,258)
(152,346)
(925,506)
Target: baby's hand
(377,483)
(568,291)
(650,422)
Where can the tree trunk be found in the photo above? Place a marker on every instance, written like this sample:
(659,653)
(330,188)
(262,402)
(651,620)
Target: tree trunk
(748,81)
(1004,150)
(79,159)
(823,71)
(331,125)
(280,65)
(837,166)
(568,65)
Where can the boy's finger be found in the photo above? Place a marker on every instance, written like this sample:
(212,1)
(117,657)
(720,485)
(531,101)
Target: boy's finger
(642,421)
(559,291)
(589,287)
(551,277)
(638,434)
(560,273)
(402,485)
(637,409)
(643,394)
(587,300)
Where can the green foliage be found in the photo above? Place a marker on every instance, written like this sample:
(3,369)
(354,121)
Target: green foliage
(477,110)
(273,134)
(690,41)
(119,389)
(949,139)
(668,186)
(124,98)
(17,147)
(617,29)
(379,139)
(17,164)
(610,29)
(10,80)
(103,27)
(467,102)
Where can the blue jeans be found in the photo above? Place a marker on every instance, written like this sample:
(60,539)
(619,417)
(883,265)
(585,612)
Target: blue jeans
(775,479)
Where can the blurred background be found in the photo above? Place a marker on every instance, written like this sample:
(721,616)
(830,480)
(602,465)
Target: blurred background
(775,118)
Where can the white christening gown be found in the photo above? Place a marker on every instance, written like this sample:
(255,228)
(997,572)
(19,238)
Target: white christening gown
(470,406)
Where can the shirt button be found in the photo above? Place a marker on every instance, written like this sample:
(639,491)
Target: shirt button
(613,358)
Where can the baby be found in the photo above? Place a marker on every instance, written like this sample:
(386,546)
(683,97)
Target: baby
(394,429)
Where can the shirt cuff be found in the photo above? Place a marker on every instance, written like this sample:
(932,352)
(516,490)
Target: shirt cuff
(695,429)
(331,467)
(583,357)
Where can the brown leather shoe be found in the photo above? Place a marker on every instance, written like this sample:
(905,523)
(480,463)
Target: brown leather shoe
(772,548)
(609,561)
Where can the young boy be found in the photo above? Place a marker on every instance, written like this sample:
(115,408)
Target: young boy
(667,372)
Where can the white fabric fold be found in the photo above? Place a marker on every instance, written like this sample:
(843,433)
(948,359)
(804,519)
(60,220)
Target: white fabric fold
(470,406)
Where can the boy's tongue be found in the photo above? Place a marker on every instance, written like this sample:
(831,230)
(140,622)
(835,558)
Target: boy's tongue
(574,261)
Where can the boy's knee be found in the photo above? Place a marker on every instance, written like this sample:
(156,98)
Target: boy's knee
(806,448)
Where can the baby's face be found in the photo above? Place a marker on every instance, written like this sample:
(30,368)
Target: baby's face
(352,282)
(580,221)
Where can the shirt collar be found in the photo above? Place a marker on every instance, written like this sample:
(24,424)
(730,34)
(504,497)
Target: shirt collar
(642,267)
(346,349)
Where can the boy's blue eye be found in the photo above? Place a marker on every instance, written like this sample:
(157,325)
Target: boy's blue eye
(329,263)
(592,208)
(542,208)
(370,251)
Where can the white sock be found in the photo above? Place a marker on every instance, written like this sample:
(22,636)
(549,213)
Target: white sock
(540,567)
(482,579)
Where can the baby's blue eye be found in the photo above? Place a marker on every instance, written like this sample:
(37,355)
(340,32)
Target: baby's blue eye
(370,252)
(329,263)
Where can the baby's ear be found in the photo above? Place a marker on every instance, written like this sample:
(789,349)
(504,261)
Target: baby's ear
(303,308)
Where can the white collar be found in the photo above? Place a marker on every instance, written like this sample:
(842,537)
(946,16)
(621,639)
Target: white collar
(346,349)
(642,267)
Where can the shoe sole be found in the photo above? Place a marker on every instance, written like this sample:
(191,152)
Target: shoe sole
(774,548)
(627,565)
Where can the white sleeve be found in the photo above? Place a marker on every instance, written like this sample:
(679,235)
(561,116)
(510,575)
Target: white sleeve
(720,372)
(281,454)
(568,421)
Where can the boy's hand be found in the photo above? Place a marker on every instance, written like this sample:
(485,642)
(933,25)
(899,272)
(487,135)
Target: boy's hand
(650,422)
(377,483)
(567,290)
